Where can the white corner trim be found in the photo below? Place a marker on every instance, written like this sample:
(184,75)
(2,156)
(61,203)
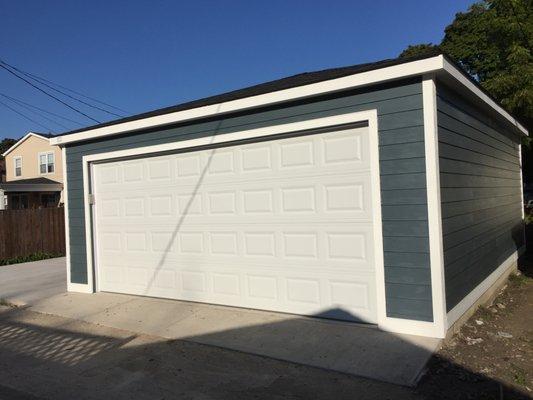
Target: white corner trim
(29,134)
(465,304)
(407,69)
(79,288)
(436,248)
(452,70)
(378,221)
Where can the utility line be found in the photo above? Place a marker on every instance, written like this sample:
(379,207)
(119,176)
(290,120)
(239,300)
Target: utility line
(40,109)
(42,82)
(48,94)
(78,93)
(25,116)
(40,114)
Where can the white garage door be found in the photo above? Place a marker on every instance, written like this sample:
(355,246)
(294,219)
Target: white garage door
(283,225)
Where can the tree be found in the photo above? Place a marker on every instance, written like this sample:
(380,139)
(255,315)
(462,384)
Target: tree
(425,49)
(6,144)
(492,42)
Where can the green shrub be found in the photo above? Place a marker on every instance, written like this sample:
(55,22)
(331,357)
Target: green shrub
(32,257)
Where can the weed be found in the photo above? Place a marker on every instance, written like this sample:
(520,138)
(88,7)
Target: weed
(518,280)
(519,375)
(485,314)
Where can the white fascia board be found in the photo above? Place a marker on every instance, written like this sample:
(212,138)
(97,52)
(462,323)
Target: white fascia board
(459,76)
(333,85)
(409,69)
(29,134)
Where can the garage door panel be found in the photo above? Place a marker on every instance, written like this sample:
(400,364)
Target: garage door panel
(261,289)
(283,225)
(343,247)
(346,195)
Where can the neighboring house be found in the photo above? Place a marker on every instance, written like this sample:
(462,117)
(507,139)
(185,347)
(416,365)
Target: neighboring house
(387,193)
(34,173)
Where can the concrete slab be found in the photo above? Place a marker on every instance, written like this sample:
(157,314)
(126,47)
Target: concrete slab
(360,350)
(49,357)
(26,283)
(339,346)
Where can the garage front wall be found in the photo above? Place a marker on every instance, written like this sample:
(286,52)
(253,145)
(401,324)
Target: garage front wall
(402,169)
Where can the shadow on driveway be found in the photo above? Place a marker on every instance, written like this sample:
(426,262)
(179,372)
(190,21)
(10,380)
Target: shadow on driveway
(53,357)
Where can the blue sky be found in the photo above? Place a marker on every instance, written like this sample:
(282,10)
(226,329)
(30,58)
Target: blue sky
(143,55)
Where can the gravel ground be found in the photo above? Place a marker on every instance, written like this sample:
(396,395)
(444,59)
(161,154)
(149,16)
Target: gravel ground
(492,356)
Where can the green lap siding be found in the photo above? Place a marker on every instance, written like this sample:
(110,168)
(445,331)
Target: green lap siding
(480,194)
(403,179)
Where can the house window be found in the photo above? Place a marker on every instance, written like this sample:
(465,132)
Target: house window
(46,163)
(18,166)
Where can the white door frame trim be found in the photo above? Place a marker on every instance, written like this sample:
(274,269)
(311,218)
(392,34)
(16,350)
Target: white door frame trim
(384,322)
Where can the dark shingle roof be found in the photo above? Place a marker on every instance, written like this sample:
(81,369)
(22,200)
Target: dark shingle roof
(305,78)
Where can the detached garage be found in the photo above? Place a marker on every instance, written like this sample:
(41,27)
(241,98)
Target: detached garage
(385,193)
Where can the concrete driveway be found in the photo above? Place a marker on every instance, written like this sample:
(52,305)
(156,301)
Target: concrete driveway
(359,350)
(28,283)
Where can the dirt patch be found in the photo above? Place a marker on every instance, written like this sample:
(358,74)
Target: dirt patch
(492,355)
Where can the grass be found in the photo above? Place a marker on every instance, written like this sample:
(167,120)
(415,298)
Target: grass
(519,375)
(29,258)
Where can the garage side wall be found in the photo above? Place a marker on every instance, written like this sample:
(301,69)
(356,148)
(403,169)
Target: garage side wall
(403,181)
(480,194)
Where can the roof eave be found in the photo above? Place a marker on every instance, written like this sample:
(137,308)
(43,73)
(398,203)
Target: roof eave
(431,65)
(20,141)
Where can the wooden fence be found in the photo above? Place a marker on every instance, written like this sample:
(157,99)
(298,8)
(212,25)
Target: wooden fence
(25,232)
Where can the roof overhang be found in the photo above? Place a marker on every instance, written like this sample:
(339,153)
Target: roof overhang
(437,66)
(29,187)
(29,134)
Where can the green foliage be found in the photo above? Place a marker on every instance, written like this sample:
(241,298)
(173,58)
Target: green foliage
(6,144)
(32,257)
(492,41)
(420,50)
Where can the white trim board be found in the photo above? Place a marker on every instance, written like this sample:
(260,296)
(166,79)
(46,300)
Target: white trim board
(20,141)
(464,305)
(436,248)
(384,322)
(437,64)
